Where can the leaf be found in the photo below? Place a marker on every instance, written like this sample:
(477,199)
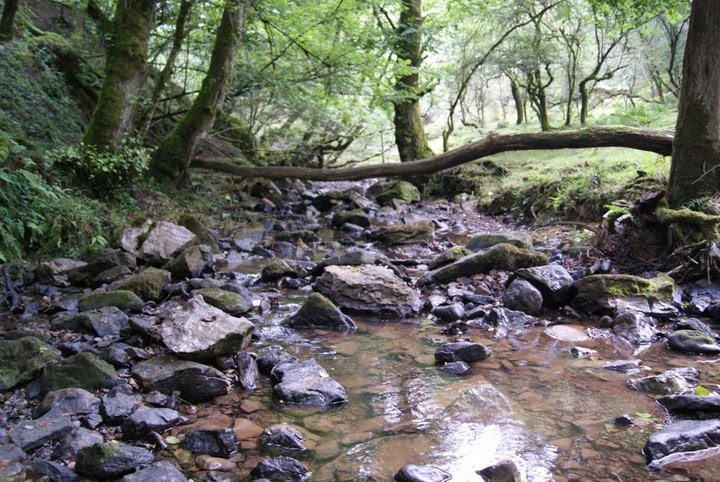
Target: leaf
(609,427)
(172,440)
(701,391)
(643,415)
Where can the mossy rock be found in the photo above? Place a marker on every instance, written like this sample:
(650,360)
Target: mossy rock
(198,228)
(148,285)
(83,370)
(483,241)
(276,270)
(325,201)
(22,360)
(354,216)
(318,310)
(595,293)
(401,190)
(123,299)
(448,256)
(395,234)
(693,341)
(228,301)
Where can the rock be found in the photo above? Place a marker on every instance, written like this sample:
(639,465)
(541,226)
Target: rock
(31,434)
(79,438)
(70,402)
(400,190)
(462,351)
(702,295)
(352,258)
(227,301)
(163,471)
(448,256)
(110,275)
(276,270)
(283,436)
(504,471)
(582,352)
(672,381)
(304,235)
(682,436)
(500,257)
(451,312)
(318,311)
(52,271)
(273,357)
(118,404)
(217,464)
(633,327)
(164,241)
(458,368)
(354,216)
(553,281)
(54,471)
(506,321)
(105,321)
(306,383)
(22,360)
(83,370)
(247,371)
(130,238)
(110,460)
(122,299)
(190,263)
(692,406)
(11,453)
(421,473)
(327,200)
(217,442)
(369,289)
(111,259)
(14,472)
(199,331)
(146,419)
(694,324)
(521,295)
(194,381)
(483,241)
(601,293)
(203,235)
(397,234)
(281,469)
(572,334)
(148,285)
(629,367)
(692,341)
(482,403)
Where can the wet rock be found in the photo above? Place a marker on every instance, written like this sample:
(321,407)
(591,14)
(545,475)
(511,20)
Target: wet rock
(462,351)
(448,256)
(54,471)
(421,473)
(106,321)
(400,190)
(370,289)
(457,368)
(148,285)
(648,306)
(146,419)
(22,360)
(633,327)
(118,404)
(199,331)
(217,442)
(163,471)
(190,263)
(283,436)
(504,471)
(281,469)
(682,436)
(217,464)
(69,445)
(306,383)
(194,381)
(482,403)
(11,453)
(629,367)
(247,371)
(397,234)
(304,235)
(122,299)
(110,460)
(354,216)
(483,241)
(273,357)
(600,293)
(327,200)
(227,301)
(276,270)
(702,295)
(53,271)
(352,258)
(83,370)
(508,321)
(500,257)
(693,341)
(553,281)
(451,312)
(70,401)
(693,324)
(110,275)
(521,295)
(693,406)
(569,333)
(582,352)
(318,311)
(31,434)
(130,238)
(672,381)
(164,241)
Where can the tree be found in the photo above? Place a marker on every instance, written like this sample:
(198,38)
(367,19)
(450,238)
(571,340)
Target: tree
(7,22)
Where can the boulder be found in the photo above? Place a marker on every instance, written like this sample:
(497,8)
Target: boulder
(273,357)
(306,383)
(448,256)
(400,190)
(121,299)
(110,275)
(31,434)
(148,285)
(397,234)
(352,258)
(506,321)
(227,301)
(553,281)
(676,380)
(503,471)
(601,293)
(458,368)
(327,200)
(318,311)
(702,295)
(692,406)
(190,263)
(105,321)
(203,235)
(110,460)
(194,381)
(284,437)
(499,257)
(22,360)
(147,419)
(164,241)
(83,370)
(199,331)
(247,371)
(276,270)
(521,295)
(421,473)
(281,469)
(633,327)
(682,436)
(130,238)
(354,216)
(693,341)
(118,404)
(483,241)
(163,471)
(54,471)
(70,401)
(369,289)
(217,442)
(449,313)
(462,351)
(80,437)
(54,271)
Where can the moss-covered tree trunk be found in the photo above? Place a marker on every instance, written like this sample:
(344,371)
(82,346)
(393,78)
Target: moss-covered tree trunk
(172,158)
(7,22)
(409,130)
(695,170)
(517,99)
(125,73)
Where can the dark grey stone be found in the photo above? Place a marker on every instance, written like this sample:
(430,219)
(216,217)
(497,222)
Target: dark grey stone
(31,434)
(521,295)
(118,404)
(283,436)
(421,473)
(247,371)
(273,357)
(693,406)
(683,436)
(215,442)
(451,312)
(462,351)
(458,368)
(281,469)
(195,382)
(318,311)
(693,341)
(504,471)
(553,281)
(70,401)
(163,471)
(146,419)
(54,471)
(110,460)
(105,321)
(633,327)
(306,383)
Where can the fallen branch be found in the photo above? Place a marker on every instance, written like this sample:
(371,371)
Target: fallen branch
(659,142)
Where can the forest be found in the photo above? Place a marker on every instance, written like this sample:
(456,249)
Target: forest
(359,240)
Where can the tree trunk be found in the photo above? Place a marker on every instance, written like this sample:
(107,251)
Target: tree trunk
(7,22)
(647,140)
(125,73)
(172,158)
(409,130)
(695,169)
(517,99)
(537,92)
(584,100)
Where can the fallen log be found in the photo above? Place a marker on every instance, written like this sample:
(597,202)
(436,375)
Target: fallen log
(656,141)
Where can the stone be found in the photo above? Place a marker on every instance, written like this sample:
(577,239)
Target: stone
(199,331)
(148,285)
(448,256)
(146,419)
(203,235)
(458,368)
(633,327)
(110,275)
(397,234)
(281,469)
(217,442)
(194,381)
(105,321)
(506,321)
(79,438)
(600,293)
(629,367)
(207,462)
(122,299)
(227,301)
(70,402)
(164,241)
(682,436)
(14,472)
(83,370)
(676,380)
(568,333)
(22,360)
(702,295)
(306,383)
(502,256)
(449,313)
(54,471)
(53,270)
(483,241)
(118,404)
(351,258)
(354,216)
(276,270)
(11,453)
(110,460)
(304,235)
(284,437)
(421,473)
(130,237)
(503,471)
(400,190)
(694,324)
(462,351)
(521,295)
(247,371)
(163,471)
(190,263)
(553,281)
(318,311)
(692,406)
(482,403)
(273,357)
(369,289)
(31,434)
(693,341)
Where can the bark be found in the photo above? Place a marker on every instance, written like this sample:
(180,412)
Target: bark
(695,169)
(172,158)
(537,91)
(518,100)
(409,130)
(7,22)
(125,74)
(642,139)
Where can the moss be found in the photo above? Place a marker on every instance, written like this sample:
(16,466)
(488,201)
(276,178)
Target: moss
(227,301)
(22,360)
(148,285)
(122,299)
(402,190)
(199,229)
